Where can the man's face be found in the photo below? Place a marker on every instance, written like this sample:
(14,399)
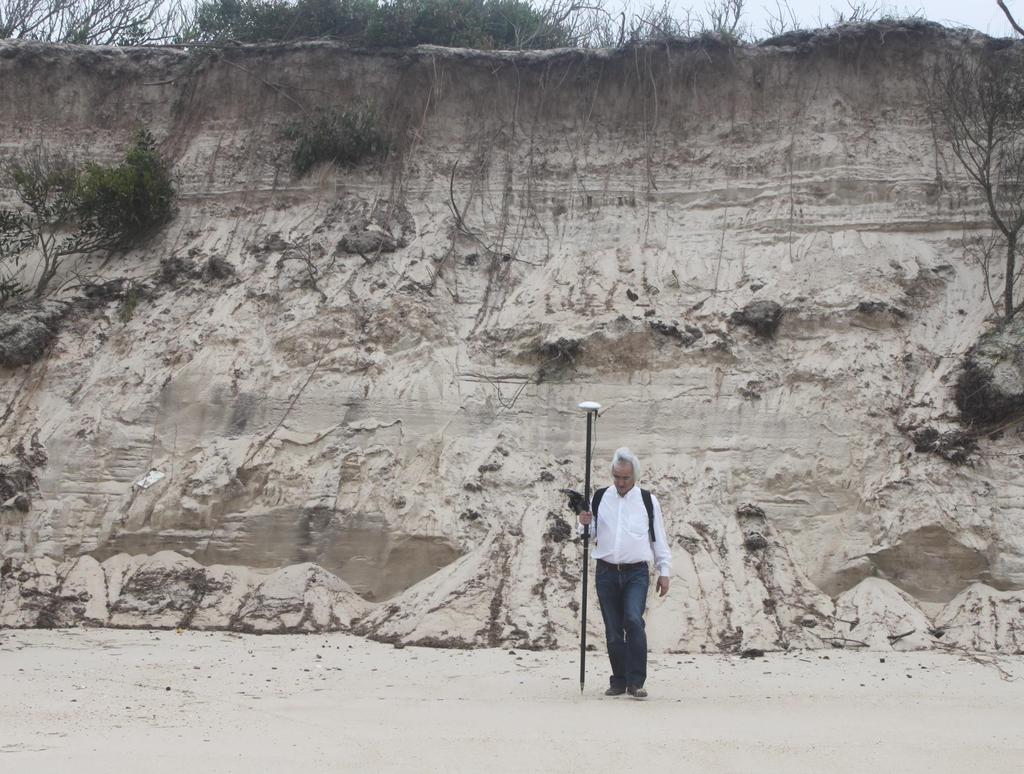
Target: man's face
(622,474)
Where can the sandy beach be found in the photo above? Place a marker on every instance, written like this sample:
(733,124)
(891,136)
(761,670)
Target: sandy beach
(162,701)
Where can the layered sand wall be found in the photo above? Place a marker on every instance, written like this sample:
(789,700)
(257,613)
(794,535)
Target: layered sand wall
(383,383)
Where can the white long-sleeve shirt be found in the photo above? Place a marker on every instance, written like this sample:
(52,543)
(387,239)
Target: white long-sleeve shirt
(622,536)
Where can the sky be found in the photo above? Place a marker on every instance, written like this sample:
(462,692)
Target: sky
(983,15)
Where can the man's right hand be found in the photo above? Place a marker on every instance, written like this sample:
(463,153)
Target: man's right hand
(585,517)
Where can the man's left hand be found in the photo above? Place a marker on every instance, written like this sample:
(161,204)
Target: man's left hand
(662,585)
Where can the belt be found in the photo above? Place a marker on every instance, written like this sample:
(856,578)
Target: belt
(621,567)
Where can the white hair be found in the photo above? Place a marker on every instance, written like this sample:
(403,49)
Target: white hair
(625,455)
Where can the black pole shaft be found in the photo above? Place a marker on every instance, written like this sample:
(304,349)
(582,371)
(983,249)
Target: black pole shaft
(586,558)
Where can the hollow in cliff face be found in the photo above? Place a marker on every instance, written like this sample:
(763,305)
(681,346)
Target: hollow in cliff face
(377,563)
(931,564)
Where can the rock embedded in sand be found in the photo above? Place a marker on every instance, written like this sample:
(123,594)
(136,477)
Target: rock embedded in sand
(27,329)
(219,268)
(367,243)
(954,445)
(15,479)
(762,316)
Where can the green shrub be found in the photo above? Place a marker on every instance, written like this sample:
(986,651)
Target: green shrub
(253,21)
(69,210)
(133,293)
(485,24)
(127,202)
(345,138)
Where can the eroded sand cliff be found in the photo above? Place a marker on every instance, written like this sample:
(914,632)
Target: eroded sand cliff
(359,387)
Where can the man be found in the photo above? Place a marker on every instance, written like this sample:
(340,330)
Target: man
(624,550)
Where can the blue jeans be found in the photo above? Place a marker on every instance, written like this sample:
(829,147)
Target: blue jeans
(623,597)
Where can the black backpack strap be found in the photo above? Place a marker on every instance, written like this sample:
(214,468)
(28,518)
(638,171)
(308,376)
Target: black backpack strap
(649,505)
(595,503)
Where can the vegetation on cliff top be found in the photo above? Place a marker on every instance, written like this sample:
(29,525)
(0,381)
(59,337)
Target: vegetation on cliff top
(486,24)
(481,24)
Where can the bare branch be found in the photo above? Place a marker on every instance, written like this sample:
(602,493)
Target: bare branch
(978,101)
(783,19)
(723,17)
(96,22)
(1013,22)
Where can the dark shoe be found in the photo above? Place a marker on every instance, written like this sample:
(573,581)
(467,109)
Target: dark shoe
(637,693)
(613,691)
